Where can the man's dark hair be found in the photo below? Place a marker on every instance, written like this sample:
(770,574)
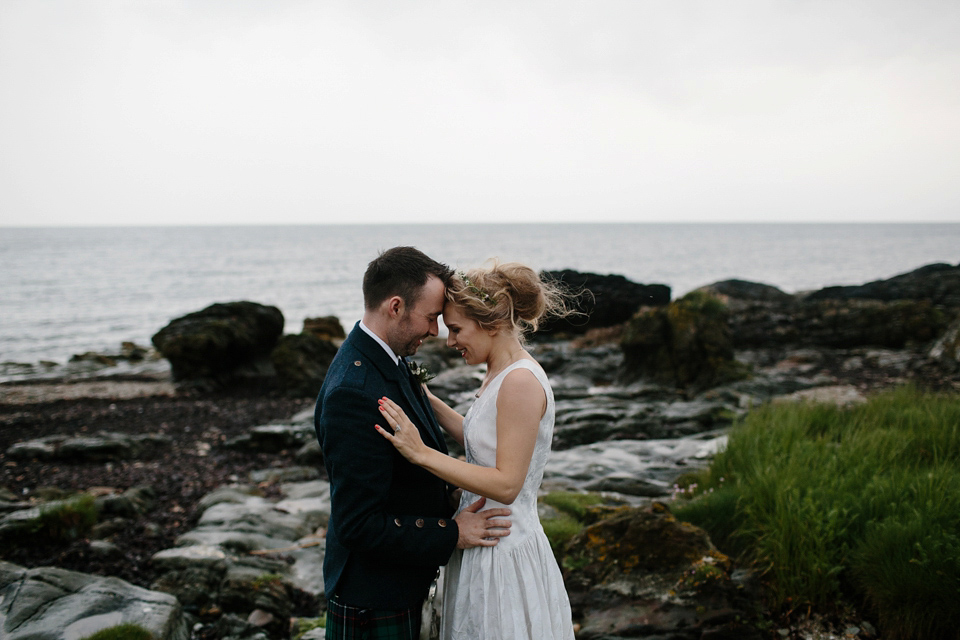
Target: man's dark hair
(400,271)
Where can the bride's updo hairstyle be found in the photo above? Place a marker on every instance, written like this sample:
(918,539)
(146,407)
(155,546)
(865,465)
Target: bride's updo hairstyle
(507,296)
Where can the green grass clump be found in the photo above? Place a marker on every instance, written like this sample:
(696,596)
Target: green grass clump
(573,510)
(266,580)
(67,521)
(838,505)
(122,632)
(572,503)
(560,530)
(309,624)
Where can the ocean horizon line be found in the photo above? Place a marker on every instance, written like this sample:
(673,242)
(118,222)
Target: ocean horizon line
(611,223)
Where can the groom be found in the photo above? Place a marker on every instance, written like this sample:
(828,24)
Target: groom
(390,524)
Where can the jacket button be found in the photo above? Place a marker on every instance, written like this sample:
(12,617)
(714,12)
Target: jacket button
(356,363)
(441,523)
(396,521)
(419,523)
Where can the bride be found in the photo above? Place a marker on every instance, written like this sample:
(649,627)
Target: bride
(513,590)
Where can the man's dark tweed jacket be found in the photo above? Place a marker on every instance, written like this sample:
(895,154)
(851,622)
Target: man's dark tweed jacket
(390,525)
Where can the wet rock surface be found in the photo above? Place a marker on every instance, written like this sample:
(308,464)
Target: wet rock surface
(220,499)
(48,603)
(643,574)
(250,556)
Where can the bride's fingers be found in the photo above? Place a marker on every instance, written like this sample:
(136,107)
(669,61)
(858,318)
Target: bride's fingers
(391,420)
(395,423)
(394,412)
(394,408)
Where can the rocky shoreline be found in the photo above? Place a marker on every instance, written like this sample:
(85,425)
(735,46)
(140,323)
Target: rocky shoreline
(187,464)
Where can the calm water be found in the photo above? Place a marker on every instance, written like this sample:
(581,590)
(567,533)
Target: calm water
(66,291)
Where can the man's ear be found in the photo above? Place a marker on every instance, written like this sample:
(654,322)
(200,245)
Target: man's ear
(394,306)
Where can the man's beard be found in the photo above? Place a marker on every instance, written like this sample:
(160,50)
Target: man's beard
(410,347)
(407,344)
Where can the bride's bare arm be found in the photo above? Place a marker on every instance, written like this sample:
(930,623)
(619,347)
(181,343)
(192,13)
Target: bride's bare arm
(450,420)
(520,405)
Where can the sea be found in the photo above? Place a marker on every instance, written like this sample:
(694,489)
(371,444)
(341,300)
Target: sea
(66,291)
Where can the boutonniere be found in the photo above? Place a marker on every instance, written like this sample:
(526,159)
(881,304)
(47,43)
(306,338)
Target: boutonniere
(420,372)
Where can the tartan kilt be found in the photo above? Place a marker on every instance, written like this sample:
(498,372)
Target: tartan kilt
(354,623)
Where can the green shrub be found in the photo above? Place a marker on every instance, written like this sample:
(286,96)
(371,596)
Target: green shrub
(717,513)
(860,504)
(122,632)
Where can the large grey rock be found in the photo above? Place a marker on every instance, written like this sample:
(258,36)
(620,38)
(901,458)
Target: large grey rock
(54,604)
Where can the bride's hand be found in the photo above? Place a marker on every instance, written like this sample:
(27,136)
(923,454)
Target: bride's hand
(405,436)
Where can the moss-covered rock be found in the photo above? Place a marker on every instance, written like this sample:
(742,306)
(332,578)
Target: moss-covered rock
(687,344)
(220,343)
(634,545)
(325,328)
(644,571)
(301,362)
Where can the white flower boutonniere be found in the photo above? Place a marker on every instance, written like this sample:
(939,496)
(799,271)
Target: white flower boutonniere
(420,372)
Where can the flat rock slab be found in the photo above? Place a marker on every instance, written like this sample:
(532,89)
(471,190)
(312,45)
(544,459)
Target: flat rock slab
(100,447)
(840,395)
(55,604)
(644,468)
(243,540)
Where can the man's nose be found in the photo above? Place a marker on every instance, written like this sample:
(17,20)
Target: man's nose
(434,327)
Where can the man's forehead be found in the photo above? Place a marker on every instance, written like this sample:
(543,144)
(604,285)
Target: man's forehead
(432,296)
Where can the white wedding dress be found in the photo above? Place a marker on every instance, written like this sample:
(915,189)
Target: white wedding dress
(513,590)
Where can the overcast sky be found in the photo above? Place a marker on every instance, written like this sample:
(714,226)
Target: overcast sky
(237,112)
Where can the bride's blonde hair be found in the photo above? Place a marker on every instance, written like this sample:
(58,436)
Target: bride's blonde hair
(507,296)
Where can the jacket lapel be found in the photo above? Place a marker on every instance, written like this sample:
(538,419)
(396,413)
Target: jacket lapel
(411,388)
(429,429)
